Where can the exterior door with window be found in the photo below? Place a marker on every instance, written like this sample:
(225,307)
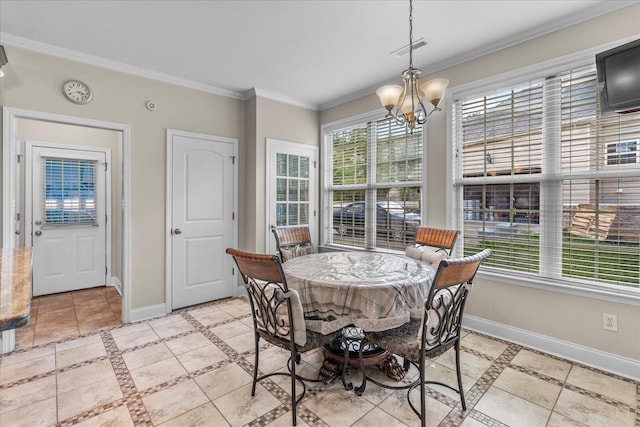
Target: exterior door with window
(67,218)
(291,188)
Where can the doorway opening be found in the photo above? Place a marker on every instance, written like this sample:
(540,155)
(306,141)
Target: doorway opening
(20,125)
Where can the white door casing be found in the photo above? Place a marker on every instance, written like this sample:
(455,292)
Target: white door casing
(66,256)
(201,187)
(291,198)
(10,168)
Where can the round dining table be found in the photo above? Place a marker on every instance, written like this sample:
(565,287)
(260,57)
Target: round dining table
(369,290)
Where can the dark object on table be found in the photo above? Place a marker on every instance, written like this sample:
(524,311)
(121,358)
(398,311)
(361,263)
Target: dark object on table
(277,316)
(439,329)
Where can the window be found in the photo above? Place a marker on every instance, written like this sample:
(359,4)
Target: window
(69,192)
(372,185)
(292,189)
(623,153)
(548,183)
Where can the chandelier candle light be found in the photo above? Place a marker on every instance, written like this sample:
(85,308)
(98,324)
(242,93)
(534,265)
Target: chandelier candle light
(405,104)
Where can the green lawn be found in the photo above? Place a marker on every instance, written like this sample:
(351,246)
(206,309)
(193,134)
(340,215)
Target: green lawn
(581,258)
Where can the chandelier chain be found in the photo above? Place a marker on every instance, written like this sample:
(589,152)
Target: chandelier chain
(410,34)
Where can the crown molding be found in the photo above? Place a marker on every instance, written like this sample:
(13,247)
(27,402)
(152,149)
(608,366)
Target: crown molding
(256,92)
(48,49)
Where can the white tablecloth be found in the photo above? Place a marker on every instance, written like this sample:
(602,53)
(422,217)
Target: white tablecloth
(372,291)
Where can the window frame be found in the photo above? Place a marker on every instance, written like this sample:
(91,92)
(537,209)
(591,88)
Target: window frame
(622,155)
(454,212)
(326,175)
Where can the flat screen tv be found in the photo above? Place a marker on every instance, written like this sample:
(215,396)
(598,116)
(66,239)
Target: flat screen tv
(618,72)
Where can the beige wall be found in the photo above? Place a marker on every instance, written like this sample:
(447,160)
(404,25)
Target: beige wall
(35,130)
(558,315)
(33,83)
(281,121)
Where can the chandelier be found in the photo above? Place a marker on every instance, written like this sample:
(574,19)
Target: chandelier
(406,104)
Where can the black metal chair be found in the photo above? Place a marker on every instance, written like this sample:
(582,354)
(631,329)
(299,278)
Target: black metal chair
(442,239)
(277,316)
(293,242)
(436,332)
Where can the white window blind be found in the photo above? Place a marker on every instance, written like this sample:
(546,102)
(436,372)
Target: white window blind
(69,196)
(548,183)
(375,188)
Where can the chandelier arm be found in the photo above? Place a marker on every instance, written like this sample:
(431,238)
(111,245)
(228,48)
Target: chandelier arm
(410,111)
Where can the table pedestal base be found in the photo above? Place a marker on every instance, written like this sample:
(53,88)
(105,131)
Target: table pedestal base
(348,349)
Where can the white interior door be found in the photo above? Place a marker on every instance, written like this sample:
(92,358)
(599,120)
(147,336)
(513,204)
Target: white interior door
(291,188)
(68,194)
(202,214)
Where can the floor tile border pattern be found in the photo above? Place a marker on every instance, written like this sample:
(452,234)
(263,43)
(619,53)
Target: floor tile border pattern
(475,393)
(240,359)
(133,398)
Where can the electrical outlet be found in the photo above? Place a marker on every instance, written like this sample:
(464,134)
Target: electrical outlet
(610,322)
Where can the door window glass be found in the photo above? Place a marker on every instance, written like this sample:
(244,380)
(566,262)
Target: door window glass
(69,191)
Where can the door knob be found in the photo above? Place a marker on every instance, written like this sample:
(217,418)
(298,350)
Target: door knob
(177,231)
(38,233)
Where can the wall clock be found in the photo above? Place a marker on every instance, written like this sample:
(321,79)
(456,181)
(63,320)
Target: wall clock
(76,91)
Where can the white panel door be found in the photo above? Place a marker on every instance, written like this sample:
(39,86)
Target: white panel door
(68,205)
(202,214)
(291,188)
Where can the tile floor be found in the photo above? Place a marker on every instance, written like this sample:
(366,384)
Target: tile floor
(70,314)
(193,368)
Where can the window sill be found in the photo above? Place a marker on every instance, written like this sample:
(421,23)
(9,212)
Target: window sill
(629,296)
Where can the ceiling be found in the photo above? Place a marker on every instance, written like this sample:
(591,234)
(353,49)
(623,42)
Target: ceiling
(310,53)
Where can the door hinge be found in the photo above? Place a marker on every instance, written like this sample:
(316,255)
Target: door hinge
(233,216)
(233,160)
(314,213)
(18,157)
(233,271)
(106,270)
(315,164)
(105,166)
(106,218)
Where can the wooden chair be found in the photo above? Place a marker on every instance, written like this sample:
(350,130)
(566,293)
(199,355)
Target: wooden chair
(277,316)
(293,242)
(436,332)
(442,239)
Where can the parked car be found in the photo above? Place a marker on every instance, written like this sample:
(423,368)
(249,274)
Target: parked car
(392,220)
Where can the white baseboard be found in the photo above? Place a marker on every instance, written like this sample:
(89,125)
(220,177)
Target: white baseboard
(116,283)
(7,341)
(148,312)
(619,365)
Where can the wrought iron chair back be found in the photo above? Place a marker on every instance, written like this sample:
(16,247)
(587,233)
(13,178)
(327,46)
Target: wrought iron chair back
(442,239)
(293,242)
(437,331)
(278,317)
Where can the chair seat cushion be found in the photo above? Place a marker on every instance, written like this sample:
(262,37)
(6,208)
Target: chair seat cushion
(282,314)
(296,251)
(426,255)
(314,340)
